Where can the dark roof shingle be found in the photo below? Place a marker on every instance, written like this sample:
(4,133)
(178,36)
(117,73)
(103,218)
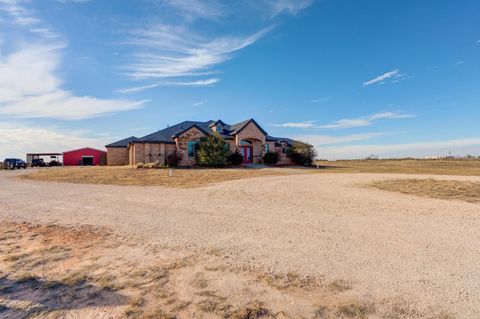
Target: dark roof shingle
(166,135)
(123,143)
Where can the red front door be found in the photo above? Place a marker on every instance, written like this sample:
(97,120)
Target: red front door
(247,153)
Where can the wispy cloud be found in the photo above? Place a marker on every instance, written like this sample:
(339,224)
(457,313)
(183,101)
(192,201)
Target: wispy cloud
(321,140)
(347,123)
(29,88)
(173,50)
(394,76)
(73,1)
(21,15)
(365,121)
(191,10)
(308,124)
(429,148)
(24,17)
(169,51)
(198,83)
(196,9)
(321,100)
(199,103)
(288,6)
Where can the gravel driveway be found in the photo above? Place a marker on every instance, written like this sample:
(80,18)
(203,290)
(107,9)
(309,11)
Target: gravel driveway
(419,250)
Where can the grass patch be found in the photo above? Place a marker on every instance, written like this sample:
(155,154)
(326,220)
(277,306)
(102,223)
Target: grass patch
(407,166)
(355,310)
(340,285)
(456,190)
(182,178)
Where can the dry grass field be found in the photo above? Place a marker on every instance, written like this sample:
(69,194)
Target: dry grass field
(433,167)
(457,190)
(182,178)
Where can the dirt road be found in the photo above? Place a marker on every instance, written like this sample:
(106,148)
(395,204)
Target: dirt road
(388,246)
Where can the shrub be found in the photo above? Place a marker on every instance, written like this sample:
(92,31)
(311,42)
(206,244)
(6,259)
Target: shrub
(103,160)
(213,151)
(302,153)
(140,165)
(270,158)
(235,159)
(173,159)
(148,165)
(155,164)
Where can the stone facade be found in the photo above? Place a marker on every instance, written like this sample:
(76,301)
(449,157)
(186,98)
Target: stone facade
(283,159)
(149,152)
(254,135)
(181,141)
(117,156)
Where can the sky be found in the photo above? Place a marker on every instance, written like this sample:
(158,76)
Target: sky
(354,78)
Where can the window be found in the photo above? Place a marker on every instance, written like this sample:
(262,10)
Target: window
(284,150)
(192,147)
(267,148)
(245,143)
(219,128)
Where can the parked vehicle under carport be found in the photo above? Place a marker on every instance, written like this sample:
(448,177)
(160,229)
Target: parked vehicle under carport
(38,162)
(13,163)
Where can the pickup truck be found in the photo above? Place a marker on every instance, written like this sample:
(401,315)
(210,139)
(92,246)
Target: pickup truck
(13,163)
(38,162)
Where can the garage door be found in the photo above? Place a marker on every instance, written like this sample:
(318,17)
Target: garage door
(87,160)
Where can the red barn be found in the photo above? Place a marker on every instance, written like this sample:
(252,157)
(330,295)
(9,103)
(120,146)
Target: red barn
(84,157)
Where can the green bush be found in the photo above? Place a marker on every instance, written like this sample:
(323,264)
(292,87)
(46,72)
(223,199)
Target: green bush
(213,151)
(270,158)
(235,159)
(302,153)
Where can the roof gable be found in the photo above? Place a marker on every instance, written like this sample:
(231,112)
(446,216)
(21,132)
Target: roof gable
(237,128)
(122,143)
(289,141)
(189,128)
(84,148)
(166,135)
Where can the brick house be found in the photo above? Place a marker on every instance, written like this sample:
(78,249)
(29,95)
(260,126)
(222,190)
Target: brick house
(247,137)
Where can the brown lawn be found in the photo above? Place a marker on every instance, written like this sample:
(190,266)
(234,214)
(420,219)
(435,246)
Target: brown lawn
(434,167)
(457,190)
(182,178)
(190,178)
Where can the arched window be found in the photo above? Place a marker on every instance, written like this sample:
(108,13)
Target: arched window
(245,143)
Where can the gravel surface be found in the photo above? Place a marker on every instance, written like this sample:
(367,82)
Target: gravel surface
(388,245)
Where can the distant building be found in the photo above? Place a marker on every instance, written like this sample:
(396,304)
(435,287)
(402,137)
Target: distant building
(84,157)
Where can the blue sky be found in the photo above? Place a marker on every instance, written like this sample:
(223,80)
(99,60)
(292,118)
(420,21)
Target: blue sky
(354,78)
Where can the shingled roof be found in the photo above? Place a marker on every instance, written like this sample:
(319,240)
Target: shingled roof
(167,135)
(123,143)
(289,141)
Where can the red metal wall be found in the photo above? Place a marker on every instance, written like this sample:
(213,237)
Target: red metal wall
(74,158)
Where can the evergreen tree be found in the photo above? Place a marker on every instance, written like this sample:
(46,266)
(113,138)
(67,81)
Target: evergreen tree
(213,151)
